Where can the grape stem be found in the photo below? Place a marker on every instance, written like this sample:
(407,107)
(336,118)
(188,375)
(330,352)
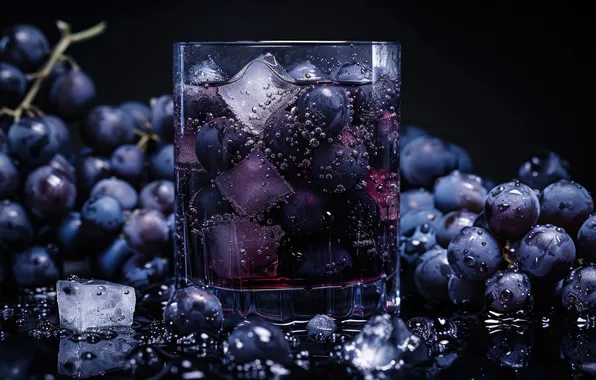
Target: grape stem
(66,38)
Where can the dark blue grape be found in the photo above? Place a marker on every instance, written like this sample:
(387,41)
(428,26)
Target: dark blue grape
(586,240)
(340,166)
(323,260)
(542,170)
(193,309)
(141,271)
(9,176)
(464,161)
(90,170)
(546,252)
(50,192)
(509,291)
(12,85)
(107,128)
(256,340)
(511,209)
(577,348)
(415,199)
(61,133)
(139,112)
(36,267)
(209,145)
(24,46)
(408,133)
(415,218)
(201,104)
(457,191)
(158,195)
(467,294)
(118,189)
(416,242)
(474,254)
(432,275)
(325,107)
(102,216)
(32,141)
(162,163)
(425,159)
(577,293)
(303,214)
(236,143)
(70,238)
(72,94)
(305,71)
(109,262)
(205,72)
(451,224)
(16,230)
(206,203)
(147,232)
(284,138)
(565,204)
(128,163)
(162,117)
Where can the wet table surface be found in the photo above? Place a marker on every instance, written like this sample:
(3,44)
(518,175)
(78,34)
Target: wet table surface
(32,346)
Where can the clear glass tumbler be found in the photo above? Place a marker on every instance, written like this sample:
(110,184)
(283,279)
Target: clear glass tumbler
(287,174)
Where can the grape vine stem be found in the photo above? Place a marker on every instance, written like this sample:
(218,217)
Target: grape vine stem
(66,39)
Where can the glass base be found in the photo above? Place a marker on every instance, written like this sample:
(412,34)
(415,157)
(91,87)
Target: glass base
(296,306)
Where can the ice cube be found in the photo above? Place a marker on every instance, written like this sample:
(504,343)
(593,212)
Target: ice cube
(385,343)
(258,90)
(253,185)
(239,248)
(94,304)
(82,359)
(321,327)
(205,72)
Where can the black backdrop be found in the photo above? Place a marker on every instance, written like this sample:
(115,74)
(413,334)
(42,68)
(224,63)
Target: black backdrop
(501,81)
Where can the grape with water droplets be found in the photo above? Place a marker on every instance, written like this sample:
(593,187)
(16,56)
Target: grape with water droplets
(566,204)
(255,340)
(193,309)
(474,254)
(586,239)
(577,293)
(509,291)
(432,275)
(542,170)
(324,107)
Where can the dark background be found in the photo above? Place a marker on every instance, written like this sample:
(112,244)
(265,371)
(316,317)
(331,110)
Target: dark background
(502,81)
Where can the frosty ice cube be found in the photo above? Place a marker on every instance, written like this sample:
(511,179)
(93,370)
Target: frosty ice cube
(82,359)
(239,248)
(94,304)
(258,90)
(253,185)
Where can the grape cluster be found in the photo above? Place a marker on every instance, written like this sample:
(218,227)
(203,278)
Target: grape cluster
(110,204)
(518,246)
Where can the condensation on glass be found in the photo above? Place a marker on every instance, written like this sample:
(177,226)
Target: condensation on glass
(287,174)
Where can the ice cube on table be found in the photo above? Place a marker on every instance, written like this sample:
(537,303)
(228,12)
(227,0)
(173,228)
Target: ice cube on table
(258,90)
(253,185)
(321,327)
(94,304)
(239,248)
(81,359)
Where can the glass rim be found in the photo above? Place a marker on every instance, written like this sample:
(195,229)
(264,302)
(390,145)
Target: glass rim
(284,43)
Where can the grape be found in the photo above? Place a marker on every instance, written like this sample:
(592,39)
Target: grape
(577,292)
(9,176)
(193,309)
(72,94)
(24,46)
(32,141)
(90,170)
(467,294)
(416,242)
(432,275)
(509,291)
(542,170)
(303,214)
(106,129)
(208,202)
(141,271)
(370,100)
(408,133)
(102,216)
(162,117)
(458,190)
(565,204)
(12,85)
(416,218)
(474,254)
(415,199)
(451,224)
(16,230)
(511,209)
(70,239)
(146,232)
(425,159)
(109,262)
(202,104)
(162,163)
(50,192)
(128,163)
(36,266)
(118,189)
(139,112)
(324,107)
(255,340)
(586,239)
(209,145)
(158,195)
(546,252)
(61,133)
